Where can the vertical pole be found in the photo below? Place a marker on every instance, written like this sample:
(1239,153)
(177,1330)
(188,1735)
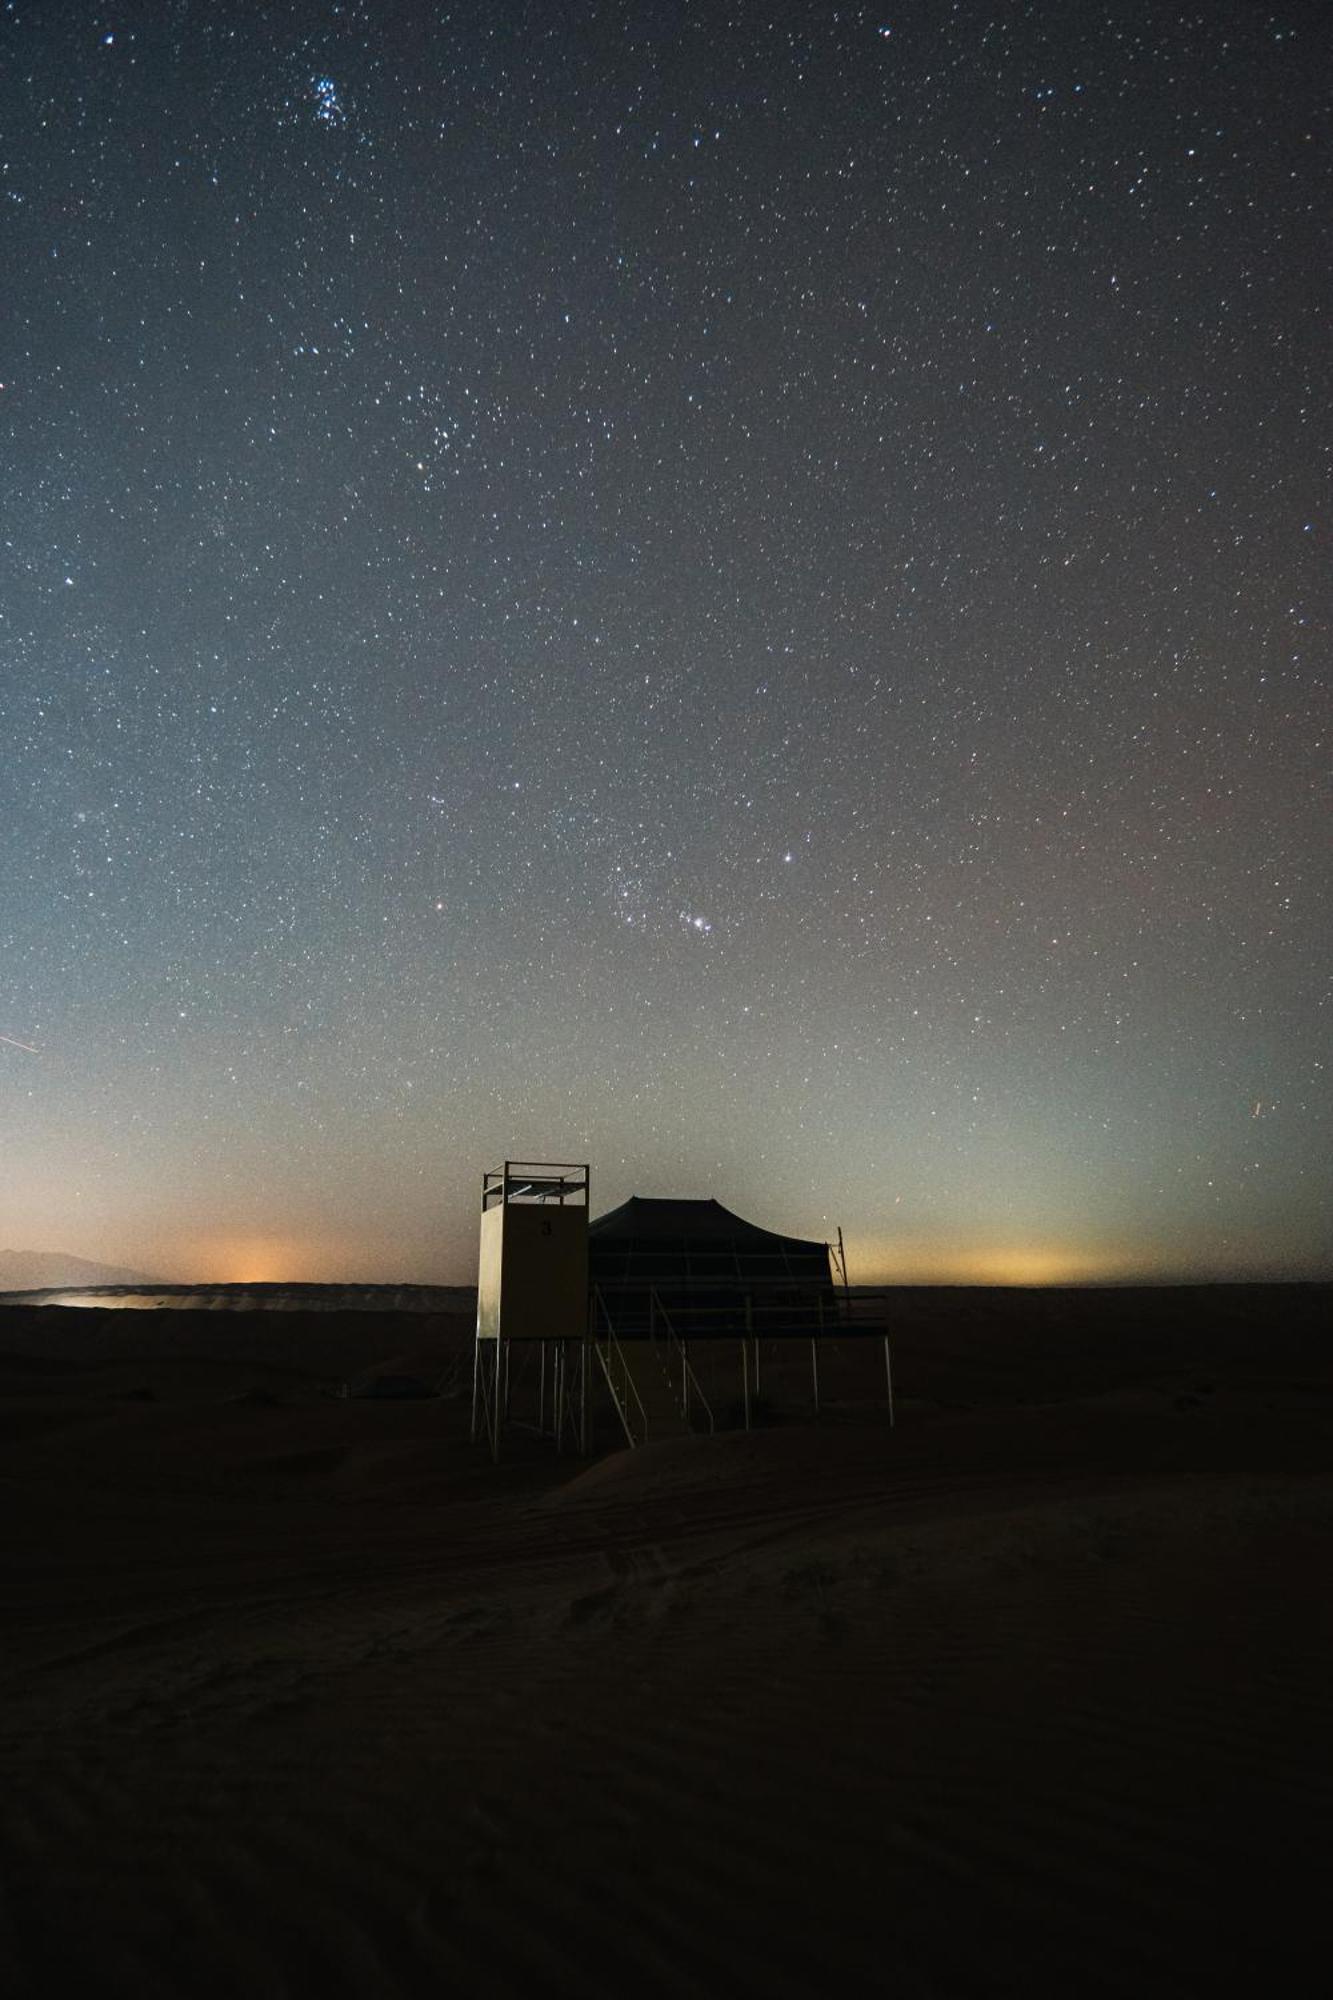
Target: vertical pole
(592,1421)
(506,1383)
(750,1336)
(745,1376)
(583,1397)
(476,1383)
(541,1394)
(888,1378)
(495,1400)
(560,1395)
(684,1382)
(814,1351)
(842,1259)
(571,1395)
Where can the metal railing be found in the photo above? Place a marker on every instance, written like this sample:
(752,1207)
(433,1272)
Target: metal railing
(636,1309)
(625,1394)
(688,1379)
(641,1319)
(638,1313)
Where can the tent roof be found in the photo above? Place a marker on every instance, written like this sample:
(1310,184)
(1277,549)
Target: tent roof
(644,1219)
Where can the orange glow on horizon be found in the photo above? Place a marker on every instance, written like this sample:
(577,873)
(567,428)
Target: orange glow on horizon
(927,1262)
(311,1255)
(259,1260)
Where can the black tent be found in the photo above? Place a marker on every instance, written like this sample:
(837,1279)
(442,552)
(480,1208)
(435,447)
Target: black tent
(707,1270)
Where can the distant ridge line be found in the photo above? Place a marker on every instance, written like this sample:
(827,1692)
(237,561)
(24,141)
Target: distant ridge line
(252,1298)
(462,1298)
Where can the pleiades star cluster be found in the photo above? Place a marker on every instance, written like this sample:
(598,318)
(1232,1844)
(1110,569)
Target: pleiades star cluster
(738,592)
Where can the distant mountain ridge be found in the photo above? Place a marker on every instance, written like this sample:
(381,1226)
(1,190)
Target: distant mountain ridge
(262,1298)
(38,1270)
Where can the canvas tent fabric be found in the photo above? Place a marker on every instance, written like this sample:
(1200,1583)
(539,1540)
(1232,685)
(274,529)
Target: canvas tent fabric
(700,1259)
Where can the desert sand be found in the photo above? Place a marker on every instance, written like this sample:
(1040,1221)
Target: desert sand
(1029,1694)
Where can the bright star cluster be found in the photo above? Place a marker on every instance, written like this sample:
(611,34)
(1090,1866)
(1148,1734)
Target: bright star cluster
(739,593)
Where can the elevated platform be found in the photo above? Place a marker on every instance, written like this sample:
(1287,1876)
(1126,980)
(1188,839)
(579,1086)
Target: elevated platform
(655,1315)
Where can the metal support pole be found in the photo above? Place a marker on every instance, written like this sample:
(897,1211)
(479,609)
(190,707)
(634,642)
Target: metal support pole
(583,1397)
(684,1382)
(814,1351)
(574,1413)
(506,1383)
(560,1395)
(476,1384)
(484,1408)
(591,1423)
(750,1340)
(745,1373)
(541,1394)
(888,1379)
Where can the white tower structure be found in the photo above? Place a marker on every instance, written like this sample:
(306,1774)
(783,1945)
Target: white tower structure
(532,1286)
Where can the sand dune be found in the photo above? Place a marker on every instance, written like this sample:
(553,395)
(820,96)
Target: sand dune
(303,1696)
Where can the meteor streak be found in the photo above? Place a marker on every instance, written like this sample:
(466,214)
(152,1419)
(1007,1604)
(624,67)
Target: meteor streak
(14,1043)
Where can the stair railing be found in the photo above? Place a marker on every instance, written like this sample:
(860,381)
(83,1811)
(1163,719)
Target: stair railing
(688,1379)
(624,1395)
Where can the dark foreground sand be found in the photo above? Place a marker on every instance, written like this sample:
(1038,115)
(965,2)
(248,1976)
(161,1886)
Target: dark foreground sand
(302,1696)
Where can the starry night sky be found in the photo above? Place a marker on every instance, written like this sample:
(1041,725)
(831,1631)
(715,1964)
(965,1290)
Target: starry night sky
(738,592)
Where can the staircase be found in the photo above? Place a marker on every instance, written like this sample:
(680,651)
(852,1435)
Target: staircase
(652,1385)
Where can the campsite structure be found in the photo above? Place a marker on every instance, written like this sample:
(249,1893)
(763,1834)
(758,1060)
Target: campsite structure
(621,1304)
